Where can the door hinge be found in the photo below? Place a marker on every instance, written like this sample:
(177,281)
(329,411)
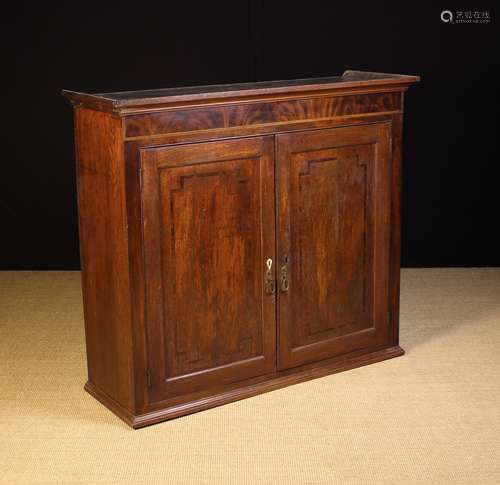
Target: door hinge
(148,378)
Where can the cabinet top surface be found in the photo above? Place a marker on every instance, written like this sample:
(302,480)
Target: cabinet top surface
(124,100)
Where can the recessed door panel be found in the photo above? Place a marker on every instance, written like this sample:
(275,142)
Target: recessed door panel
(334,204)
(208,212)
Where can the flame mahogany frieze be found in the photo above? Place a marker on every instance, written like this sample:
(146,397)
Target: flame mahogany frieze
(259,113)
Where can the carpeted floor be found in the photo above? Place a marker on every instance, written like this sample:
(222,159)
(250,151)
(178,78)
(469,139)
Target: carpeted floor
(429,417)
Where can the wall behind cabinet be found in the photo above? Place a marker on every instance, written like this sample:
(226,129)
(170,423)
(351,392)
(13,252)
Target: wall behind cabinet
(450,198)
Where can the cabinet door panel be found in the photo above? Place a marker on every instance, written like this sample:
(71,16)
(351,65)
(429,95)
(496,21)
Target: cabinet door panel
(208,215)
(334,208)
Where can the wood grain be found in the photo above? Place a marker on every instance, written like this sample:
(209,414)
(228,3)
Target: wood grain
(184,195)
(334,202)
(209,229)
(258,114)
(104,253)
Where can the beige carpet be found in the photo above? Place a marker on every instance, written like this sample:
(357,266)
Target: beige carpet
(429,417)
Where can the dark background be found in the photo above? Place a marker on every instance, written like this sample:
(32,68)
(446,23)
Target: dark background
(450,195)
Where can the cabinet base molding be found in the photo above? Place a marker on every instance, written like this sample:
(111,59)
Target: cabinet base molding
(279,380)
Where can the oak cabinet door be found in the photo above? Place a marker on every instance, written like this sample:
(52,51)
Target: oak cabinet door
(208,228)
(333,249)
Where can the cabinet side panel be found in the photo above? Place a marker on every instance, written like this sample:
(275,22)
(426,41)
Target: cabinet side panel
(104,253)
(395,263)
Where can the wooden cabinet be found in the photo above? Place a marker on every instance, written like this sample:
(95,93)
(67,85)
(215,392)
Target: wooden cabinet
(236,239)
